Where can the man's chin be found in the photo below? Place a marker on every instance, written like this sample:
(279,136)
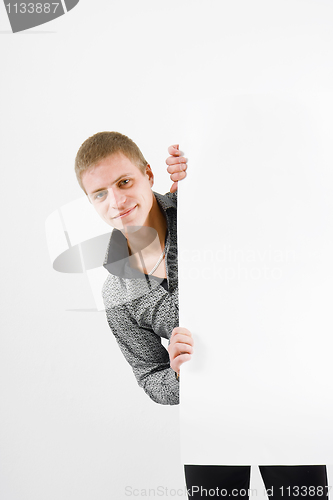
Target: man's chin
(130,229)
(124,228)
(145,234)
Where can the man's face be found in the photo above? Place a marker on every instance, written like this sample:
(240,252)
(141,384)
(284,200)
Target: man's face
(119,191)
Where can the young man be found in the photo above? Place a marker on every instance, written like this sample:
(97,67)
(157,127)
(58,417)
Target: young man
(141,291)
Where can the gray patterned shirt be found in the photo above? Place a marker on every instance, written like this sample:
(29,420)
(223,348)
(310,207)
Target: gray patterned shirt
(140,310)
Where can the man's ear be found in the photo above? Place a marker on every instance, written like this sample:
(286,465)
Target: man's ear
(150,175)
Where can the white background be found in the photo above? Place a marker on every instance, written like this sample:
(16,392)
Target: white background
(74,424)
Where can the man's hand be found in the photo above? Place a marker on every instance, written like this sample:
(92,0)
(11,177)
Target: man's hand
(180,347)
(177,165)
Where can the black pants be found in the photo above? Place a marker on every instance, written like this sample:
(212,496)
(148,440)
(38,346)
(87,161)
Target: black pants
(306,482)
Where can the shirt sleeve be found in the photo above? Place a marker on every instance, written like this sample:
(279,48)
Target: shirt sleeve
(147,356)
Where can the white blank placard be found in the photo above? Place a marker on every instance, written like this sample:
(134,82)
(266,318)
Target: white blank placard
(256,280)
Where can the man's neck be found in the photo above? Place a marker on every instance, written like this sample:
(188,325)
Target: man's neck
(151,237)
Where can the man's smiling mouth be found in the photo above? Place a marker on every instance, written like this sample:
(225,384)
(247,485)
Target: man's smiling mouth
(125,213)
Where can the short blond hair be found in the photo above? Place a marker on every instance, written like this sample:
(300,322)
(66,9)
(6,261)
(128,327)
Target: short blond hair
(104,144)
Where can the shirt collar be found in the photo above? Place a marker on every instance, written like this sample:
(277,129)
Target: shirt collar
(166,201)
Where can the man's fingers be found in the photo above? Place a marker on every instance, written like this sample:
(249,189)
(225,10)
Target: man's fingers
(174,150)
(180,348)
(172,160)
(174,187)
(176,350)
(178,176)
(183,357)
(179,360)
(178,167)
(181,338)
(180,329)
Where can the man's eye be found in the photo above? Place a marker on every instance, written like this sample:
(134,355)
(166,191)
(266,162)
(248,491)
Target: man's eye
(124,182)
(100,196)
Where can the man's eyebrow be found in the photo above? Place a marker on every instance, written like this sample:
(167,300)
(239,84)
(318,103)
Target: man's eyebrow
(114,182)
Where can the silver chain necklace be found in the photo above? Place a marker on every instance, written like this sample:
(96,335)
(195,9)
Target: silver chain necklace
(157,263)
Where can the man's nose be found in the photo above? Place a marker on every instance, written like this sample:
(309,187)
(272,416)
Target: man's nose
(117,198)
